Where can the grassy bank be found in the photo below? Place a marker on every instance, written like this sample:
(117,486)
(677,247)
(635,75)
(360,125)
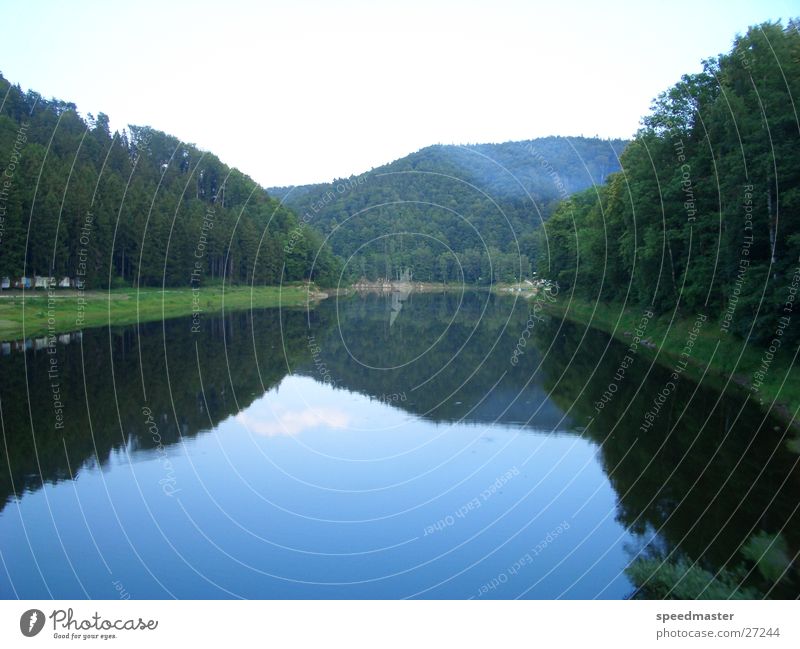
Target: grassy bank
(664,340)
(71,310)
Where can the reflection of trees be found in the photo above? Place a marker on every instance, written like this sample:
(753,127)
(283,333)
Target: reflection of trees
(441,354)
(666,478)
(171,376)
(116,415)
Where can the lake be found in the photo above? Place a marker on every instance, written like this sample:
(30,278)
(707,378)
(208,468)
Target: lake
(440,445)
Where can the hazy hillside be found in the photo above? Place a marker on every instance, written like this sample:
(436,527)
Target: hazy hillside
(450,210)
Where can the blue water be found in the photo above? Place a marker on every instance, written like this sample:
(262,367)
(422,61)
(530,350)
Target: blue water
(306,480)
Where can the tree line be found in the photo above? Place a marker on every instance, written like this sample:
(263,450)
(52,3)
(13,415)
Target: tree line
(703,215)
(135,208)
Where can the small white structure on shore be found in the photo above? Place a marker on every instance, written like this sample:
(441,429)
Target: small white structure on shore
(39,281)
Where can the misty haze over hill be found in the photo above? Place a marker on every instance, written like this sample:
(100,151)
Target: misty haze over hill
(450,211)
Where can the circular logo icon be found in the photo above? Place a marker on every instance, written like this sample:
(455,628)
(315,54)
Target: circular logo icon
(31,622)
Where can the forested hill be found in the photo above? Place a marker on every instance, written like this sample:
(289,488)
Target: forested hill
(706,216)
(139,207)
(450,210)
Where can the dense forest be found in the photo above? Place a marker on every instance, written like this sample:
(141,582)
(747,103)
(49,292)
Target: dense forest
(703,215)
(141,208)
(452,213)
(135,208)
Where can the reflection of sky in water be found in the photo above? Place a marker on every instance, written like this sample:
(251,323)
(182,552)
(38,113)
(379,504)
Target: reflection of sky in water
(379,483)
(314,491)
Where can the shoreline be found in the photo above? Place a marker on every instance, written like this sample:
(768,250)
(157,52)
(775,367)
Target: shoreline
(415,287)
(721,355)
(27,314)
(59,313)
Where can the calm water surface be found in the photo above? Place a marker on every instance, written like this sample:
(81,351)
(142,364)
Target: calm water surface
(375,447)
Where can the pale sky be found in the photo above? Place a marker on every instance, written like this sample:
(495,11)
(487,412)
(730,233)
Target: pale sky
(303,91)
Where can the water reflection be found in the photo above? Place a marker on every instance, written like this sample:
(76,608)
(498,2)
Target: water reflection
(347,433)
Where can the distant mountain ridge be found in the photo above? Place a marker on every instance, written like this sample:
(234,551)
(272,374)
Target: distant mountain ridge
(471,209)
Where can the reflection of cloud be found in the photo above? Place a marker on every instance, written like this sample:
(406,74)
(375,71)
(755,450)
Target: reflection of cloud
(292,422)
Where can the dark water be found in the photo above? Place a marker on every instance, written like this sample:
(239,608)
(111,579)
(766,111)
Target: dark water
(373,447)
